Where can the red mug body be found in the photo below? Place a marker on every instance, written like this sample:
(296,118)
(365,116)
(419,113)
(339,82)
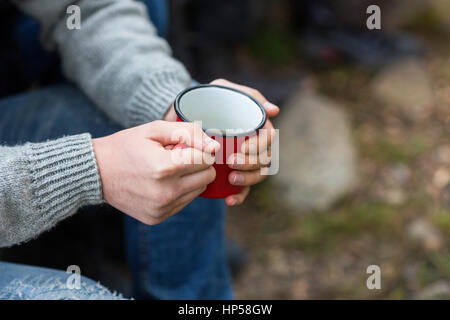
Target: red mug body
(221,187)
(206,101)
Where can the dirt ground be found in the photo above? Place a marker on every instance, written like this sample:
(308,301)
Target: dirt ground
(398,218)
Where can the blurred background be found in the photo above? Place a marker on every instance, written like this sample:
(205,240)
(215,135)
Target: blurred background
(364,134)
(365,149)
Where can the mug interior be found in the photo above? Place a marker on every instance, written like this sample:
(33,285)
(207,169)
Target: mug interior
(221,109)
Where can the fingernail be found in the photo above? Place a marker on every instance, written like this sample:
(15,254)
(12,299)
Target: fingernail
(238,179)
(270,106)
(249,147)
(211,144)
(253,148)
(232,202)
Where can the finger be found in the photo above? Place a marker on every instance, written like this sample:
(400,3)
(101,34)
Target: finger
(271,109)
(170,114)
(245,178)
(240,161)
(171,212)
(176,210)
(197,180)
(260,142)
(184,200)
(237,199)
(186,133)
(189,160)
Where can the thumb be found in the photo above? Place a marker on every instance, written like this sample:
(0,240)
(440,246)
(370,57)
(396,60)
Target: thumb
(189,134)
(271,109)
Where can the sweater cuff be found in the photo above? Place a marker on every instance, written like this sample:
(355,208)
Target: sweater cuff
(155,96)
(64,176)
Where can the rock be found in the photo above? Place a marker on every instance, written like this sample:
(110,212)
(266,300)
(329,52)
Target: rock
(405,85)
(425,234)
(441,177)
(317,156)
(394,196)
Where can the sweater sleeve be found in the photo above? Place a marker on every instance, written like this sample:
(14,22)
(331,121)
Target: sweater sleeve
(116,57)
(44,183)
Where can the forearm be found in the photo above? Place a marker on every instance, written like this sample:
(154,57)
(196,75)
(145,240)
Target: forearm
(44,183)
(116,58)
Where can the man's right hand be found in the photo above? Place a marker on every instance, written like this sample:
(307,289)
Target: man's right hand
(139,175)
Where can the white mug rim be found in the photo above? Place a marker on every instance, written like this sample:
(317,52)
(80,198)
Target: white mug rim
(239,134)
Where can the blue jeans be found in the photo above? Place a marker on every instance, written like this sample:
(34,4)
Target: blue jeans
(181,258)
(19,282)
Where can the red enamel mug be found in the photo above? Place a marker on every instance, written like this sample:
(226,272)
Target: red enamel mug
(228,116)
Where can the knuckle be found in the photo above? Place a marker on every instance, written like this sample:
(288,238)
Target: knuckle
(149,217)
(148,220)
(161,200)
(218,81)
(158,213)
(157,123)
(212,174)
(255,92)
(166,196)
(197,131)
(162,171)
(196,127)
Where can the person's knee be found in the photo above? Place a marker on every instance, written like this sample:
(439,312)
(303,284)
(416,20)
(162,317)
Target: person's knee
(55,285)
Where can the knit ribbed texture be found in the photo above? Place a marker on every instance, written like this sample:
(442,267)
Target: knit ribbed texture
(154,96)
(64,176)
(56,178)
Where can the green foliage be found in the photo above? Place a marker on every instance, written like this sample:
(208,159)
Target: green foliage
(385,150)
(324,231)
(427,19)
(434,266)
(441,218)
(263,194)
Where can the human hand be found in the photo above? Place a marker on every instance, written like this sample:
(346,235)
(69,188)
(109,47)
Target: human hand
(255,152)
(170,114)
(143,178)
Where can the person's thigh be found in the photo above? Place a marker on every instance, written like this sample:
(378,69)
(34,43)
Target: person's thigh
(182,258)
(21,282)
(50,113)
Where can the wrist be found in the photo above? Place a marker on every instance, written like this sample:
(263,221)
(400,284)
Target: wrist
(98,145)
(170,114)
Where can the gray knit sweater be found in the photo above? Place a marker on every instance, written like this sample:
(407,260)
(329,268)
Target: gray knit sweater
(118,61)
